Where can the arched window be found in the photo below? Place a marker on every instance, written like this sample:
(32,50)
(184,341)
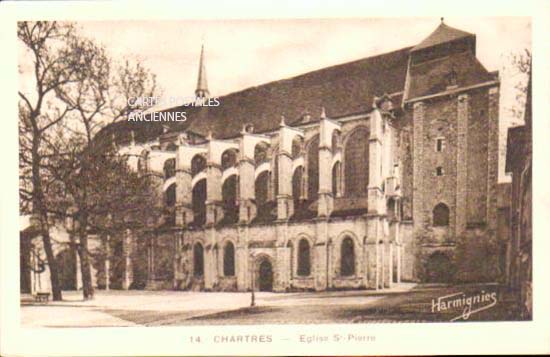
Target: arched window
(170,195)
(261,189)
(229,260)
(356,165)
(229,198)
(198,260)
(297,144)
(198,164)
(169,168)
(390,210)
(297,185)
(261,153)
(199,206)
(336,177)
(229,159)
(441,215)
(347,258)
(313,169)
(304,262)
(290,246)
(439,268)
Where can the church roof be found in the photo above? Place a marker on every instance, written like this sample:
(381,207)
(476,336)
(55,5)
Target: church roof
(432,77)
(342,89)
(442,34)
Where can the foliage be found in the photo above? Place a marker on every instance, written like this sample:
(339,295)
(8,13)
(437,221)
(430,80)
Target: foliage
(65,177)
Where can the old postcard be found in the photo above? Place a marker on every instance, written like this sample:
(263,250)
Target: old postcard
(233,182)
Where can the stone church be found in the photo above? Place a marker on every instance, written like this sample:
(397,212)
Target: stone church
(359,175)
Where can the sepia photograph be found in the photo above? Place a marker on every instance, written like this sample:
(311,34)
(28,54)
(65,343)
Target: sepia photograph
(253,172)
(360,192)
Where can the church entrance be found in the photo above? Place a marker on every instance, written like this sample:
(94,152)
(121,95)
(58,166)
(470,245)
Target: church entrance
(265,276)
(439,269)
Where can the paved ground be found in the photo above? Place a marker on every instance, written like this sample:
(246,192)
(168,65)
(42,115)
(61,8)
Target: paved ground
(404,303)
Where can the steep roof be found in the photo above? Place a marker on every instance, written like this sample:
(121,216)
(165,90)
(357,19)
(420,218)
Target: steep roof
(433,77)
(442,34)
(341,89)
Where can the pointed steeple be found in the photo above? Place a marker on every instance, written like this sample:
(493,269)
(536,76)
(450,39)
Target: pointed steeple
(202,84)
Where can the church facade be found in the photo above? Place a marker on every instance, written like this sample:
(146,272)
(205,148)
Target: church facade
(360,175)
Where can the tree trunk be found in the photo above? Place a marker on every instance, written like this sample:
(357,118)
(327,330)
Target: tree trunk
(87,287)
(40,210)
(54,274)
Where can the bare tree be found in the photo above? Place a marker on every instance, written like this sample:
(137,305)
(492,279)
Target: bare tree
(97,178)
(67,174)
(56,62)
(521,66)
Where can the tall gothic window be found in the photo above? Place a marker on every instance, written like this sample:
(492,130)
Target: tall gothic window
(199,199)
(229,159)
(198,164)
(261,153)
(290,246)
(347,257)
(170,195)
(198,260)
(169,168)
(297,185)
(356,165)
(229,259)
(441,215)
(261,189)
(297,143)
(313,169)
(304,260)
(390,210)
(229,198)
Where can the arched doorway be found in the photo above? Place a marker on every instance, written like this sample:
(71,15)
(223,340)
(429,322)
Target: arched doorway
(265,275)
(439,269)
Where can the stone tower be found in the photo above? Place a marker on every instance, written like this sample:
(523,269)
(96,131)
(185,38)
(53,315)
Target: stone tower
(453,105)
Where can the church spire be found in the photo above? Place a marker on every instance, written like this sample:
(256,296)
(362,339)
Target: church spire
(202,84)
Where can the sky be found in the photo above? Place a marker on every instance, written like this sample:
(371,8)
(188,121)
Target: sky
(244,53)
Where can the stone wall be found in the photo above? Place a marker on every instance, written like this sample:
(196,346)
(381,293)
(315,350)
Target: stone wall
(278,243)
(403,165)
(467,123)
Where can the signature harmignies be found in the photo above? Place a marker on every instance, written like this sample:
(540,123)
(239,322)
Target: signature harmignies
(468,304)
